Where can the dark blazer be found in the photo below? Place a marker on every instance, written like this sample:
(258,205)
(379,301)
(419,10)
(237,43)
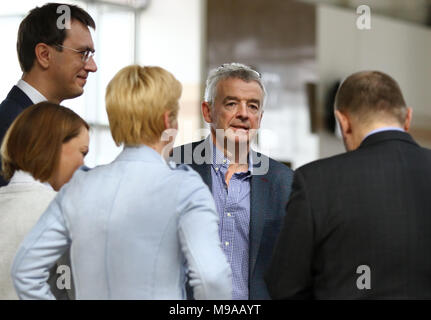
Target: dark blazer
(269,195)
(15,103)
(369,207)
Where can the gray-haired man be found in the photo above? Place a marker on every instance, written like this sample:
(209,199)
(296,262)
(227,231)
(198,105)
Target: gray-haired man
(250,190)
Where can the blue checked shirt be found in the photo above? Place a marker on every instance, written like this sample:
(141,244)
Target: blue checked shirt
(233,207)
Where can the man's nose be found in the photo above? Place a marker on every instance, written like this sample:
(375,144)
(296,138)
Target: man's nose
(242,110)
(90,65)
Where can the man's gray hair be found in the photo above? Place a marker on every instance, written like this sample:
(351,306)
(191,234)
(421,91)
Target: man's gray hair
(231,70)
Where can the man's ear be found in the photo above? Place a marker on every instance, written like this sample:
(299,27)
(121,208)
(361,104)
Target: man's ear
(344,121)
(206,112)
(43,55)
(168,121)
(408,119)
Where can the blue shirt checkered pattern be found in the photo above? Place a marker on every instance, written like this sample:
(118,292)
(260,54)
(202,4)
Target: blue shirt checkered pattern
(233,207)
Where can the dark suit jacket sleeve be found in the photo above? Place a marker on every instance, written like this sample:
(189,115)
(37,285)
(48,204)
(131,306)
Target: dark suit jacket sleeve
(290,273)
(8,113)
(15,102)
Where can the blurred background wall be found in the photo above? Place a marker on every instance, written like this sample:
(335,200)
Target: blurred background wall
(396,46)
(278,38)
(301,48)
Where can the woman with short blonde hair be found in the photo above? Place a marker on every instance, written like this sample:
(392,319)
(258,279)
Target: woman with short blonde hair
(136,100)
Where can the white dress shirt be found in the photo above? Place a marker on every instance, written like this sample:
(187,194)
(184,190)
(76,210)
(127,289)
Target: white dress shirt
(34,95)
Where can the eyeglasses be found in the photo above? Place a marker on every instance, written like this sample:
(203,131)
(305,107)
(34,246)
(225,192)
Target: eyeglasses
(85,54)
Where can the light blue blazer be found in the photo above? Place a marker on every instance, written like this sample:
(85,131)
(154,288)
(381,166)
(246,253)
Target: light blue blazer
(134,226)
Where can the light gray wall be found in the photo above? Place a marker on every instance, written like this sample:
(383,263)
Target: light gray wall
(398,48)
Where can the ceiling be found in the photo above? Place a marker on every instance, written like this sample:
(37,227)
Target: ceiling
(416,11)
(132,4)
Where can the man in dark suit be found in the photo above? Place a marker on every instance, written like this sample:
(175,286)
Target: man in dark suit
(358,225)
(250,190)
(55,56)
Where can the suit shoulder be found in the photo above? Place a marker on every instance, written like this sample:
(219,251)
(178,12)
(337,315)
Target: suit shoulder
(183,171)
(179,167)
(330,163)
(279,166)
(15,98)
(186,180)
(274,166)
(12,106)
(191,145)
(184,153)
(427,151)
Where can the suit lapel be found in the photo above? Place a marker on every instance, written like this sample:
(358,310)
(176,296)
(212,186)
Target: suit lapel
(203,169)
(259,203)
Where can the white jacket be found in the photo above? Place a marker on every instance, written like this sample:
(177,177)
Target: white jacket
(22,202)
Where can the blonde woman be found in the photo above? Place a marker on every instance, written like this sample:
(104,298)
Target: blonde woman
(40,152)
(136,227)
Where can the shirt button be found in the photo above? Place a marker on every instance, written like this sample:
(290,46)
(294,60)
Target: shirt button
(226,243)
(224,160)
(229,215)
(216,169)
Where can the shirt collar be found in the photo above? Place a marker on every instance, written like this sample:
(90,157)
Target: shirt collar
(383,129)
(140,153)
(219,159)
(34,95)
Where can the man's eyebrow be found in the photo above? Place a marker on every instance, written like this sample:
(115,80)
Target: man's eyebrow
(257,101)
(254,101)
(230,98)
(86,48)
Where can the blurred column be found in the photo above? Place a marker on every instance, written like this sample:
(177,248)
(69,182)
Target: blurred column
(171,36)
